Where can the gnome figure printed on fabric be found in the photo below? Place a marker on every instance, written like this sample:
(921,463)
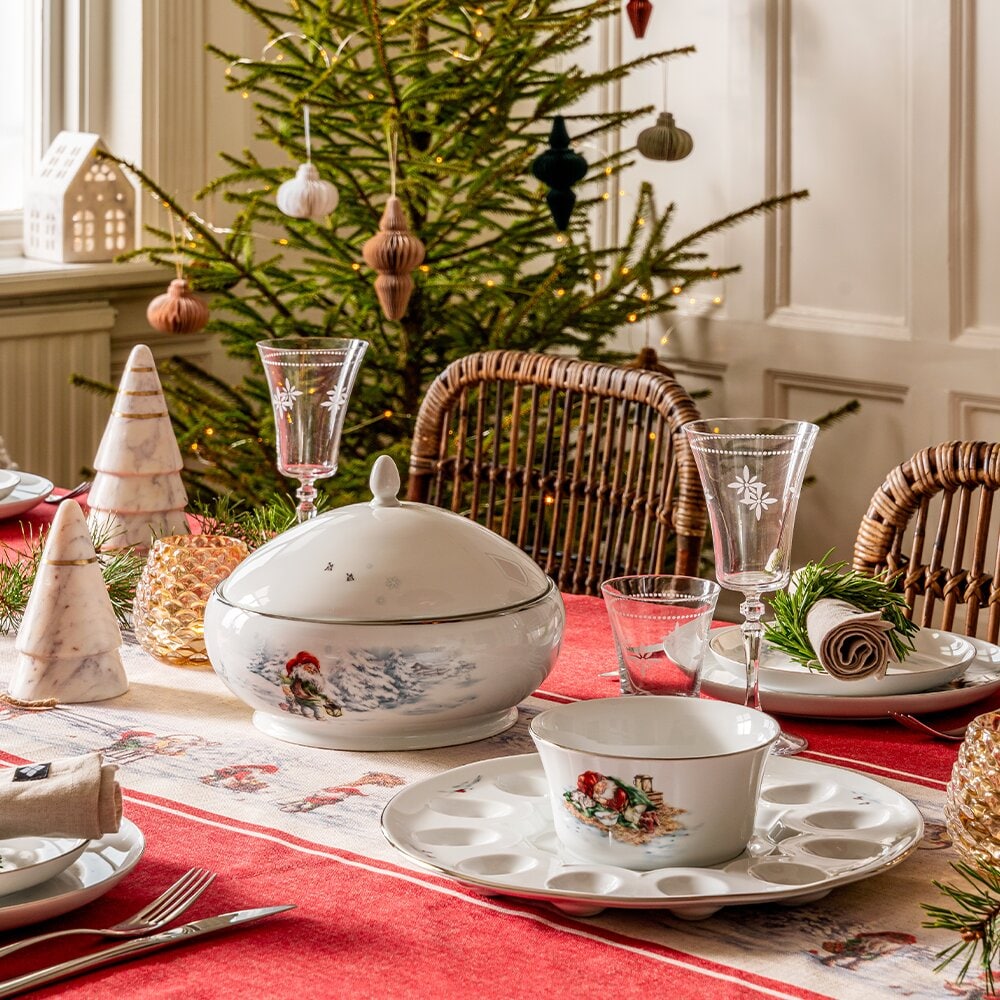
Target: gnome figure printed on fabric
(69,641)
(137,494)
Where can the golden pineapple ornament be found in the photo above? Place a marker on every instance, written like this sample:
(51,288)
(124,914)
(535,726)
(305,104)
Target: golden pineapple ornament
(394,252)
(179,576)
(972,807)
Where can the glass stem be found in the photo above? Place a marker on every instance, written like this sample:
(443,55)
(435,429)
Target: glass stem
(752,609)
(307,506)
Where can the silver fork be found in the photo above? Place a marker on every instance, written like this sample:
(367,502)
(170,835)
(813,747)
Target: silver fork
(75,492)
(912,722)
(157,914)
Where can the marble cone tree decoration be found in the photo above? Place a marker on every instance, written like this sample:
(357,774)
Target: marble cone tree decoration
(69,641)
(137,494)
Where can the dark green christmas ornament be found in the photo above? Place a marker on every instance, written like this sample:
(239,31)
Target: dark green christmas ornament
(560,168)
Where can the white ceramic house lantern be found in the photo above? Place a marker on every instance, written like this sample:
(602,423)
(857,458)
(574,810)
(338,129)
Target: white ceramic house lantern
(78,209)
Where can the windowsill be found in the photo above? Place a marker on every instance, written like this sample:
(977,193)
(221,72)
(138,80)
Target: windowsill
(22,278)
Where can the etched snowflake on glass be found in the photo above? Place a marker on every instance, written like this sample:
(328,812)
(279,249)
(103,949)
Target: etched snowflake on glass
(284,396)
(752,492)
(336,397)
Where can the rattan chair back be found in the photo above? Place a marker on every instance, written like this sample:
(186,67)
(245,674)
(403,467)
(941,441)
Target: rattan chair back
(581,464)
(932,522)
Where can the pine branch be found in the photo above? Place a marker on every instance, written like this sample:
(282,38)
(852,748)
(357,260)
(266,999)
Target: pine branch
(819,580)
(19,566)
(204,231)
(976,920)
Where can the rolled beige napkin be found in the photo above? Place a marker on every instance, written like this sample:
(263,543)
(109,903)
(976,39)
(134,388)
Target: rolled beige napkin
(850,644)
(73,797)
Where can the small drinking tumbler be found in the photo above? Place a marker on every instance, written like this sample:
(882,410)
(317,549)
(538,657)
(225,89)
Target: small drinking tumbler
(660,625)
(168,615)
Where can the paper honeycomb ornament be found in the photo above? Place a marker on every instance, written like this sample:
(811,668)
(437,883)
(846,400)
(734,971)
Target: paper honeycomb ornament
(307,195)
(560,168)
(177,310)
(972,804)
(664,140)
(639,12)
(394,252)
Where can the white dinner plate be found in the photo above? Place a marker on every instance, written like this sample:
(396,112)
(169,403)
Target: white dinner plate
(101,866)
(26,861)
(937,659)
(29,492)
(489,825)
(981,679)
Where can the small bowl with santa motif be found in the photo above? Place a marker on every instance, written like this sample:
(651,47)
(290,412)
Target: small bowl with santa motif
(653,782)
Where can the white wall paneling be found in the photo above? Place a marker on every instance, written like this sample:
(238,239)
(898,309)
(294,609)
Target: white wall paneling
(47,425)
(978,198)
(882,286)
(975,418)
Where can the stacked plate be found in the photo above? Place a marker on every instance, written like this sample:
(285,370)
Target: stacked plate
(489,825)
(26,491)
(42,877)
(945,671)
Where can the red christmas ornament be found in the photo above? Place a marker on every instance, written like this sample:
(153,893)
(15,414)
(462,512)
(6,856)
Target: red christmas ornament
(639,13)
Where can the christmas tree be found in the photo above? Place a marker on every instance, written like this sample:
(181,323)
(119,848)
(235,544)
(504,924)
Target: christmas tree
(449,105)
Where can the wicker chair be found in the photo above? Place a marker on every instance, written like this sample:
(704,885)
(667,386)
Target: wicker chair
(947,489)
(580,464)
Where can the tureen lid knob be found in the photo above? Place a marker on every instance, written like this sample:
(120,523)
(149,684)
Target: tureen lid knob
(384,483)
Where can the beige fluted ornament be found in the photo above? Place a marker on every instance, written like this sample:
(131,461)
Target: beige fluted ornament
(68,643)
(394,252)
(307,195)
(177,310)
(664,140)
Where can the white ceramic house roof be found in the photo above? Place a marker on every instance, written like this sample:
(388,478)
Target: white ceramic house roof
(78,208)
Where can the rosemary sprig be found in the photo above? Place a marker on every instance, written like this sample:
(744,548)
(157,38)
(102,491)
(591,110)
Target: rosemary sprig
(817,580)
(975,920)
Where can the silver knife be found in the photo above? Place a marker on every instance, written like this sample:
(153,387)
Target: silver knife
(122,952)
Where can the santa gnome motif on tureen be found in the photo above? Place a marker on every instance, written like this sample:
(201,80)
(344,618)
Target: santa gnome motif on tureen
(138,494)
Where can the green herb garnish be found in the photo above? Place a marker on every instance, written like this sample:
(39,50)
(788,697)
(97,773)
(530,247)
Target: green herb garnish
(975,920)
(817,580)
(19,565)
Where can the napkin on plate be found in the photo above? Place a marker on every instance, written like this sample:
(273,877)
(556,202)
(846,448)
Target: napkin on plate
(73,797)
(850,644)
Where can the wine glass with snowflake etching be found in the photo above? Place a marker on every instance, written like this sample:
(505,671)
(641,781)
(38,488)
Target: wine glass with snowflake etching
(310,380)
(752,472)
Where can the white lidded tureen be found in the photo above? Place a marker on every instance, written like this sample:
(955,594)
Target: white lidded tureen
(385,626)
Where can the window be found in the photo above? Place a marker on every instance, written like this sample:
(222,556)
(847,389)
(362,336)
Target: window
(30,34)
(12,108)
